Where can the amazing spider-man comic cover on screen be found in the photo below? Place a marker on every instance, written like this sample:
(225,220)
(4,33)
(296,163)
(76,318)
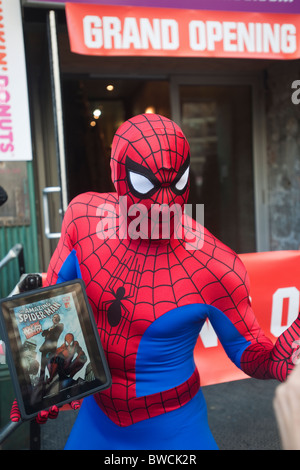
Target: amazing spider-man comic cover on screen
(53,351)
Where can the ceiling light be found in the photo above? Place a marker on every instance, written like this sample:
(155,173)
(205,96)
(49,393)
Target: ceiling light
(110,87)
(150,110)
(96,113)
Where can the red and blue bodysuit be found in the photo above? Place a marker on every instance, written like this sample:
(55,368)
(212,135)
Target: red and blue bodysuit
(151,295)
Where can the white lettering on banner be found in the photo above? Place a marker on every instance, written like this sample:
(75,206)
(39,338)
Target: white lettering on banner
(239,37)
(208,335)
(170,35)
(110,33)
(111,30)
(91,32)
(151,33)
(114,33)
(292,294)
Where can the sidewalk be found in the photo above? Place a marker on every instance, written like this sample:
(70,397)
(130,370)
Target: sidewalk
(240,414)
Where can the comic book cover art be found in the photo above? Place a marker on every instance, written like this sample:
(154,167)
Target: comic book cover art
(54,356)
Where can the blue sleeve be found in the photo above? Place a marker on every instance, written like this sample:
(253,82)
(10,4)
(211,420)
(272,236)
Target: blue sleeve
(70,269)
(233,342)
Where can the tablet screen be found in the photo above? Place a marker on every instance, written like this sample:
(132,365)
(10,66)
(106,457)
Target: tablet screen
(53,347)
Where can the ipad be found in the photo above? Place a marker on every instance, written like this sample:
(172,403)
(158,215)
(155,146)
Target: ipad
(53,348)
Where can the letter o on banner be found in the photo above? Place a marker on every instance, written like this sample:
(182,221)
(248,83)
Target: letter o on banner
(292,294)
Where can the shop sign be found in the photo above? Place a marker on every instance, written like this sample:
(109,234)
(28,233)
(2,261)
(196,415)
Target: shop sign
(107,30)
(15,135)
(271,6)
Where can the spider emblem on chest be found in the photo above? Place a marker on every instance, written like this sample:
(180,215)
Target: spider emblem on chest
(116,306)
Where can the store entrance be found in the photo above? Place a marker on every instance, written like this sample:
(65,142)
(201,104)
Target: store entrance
(93,111)
(217,121)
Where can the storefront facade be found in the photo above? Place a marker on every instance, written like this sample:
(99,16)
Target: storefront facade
(239,109)
(235,107)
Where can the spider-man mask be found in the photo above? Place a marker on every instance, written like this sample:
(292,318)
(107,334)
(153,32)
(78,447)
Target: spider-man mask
(69,339)
(150,164)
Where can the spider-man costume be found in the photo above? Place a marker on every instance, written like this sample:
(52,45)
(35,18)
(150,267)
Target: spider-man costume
(151,295)
(68,359)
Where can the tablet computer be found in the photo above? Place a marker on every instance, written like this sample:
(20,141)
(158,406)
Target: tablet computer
(53,348)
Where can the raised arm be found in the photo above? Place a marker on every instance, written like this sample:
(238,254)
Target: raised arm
(243,339)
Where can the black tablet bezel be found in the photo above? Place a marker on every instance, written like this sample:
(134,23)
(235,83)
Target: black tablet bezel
(24,389)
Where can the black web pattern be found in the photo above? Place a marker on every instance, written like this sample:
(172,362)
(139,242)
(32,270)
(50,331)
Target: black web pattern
(156,276)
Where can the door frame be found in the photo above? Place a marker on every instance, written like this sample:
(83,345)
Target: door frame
(261,210)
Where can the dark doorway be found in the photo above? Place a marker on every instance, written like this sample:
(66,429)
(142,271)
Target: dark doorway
(93,111)
(217,121)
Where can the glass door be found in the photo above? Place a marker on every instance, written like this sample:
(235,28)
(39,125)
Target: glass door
(218,123)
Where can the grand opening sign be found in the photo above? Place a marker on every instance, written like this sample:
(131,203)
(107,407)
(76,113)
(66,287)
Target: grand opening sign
(143,31)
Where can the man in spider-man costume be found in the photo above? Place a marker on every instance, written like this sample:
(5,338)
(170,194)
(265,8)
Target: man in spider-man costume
(151,295)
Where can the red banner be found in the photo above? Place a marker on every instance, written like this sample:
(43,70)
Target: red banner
(143,31)
(275,294)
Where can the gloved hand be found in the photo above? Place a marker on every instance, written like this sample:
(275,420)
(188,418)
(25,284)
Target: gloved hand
(30,282)
(43,415)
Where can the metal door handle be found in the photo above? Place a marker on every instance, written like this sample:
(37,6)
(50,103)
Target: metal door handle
(46,191)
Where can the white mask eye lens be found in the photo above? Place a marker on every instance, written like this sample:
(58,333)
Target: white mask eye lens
(140,183)
(181,183)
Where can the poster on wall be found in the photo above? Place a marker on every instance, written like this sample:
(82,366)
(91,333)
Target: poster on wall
(15,134)
(110,30)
